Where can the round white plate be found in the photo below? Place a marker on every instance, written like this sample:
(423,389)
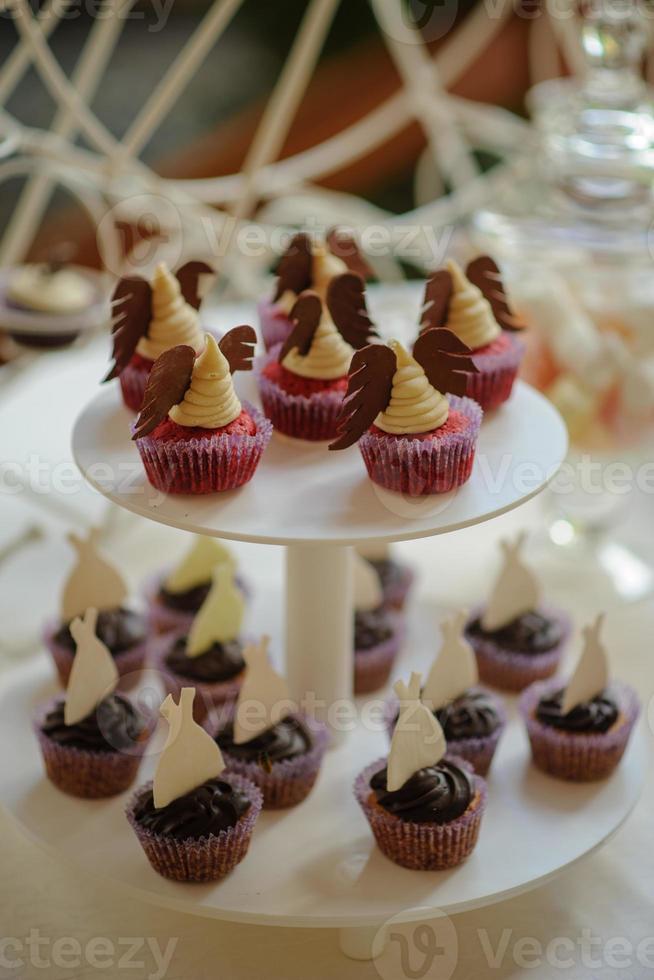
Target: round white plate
(21,321)
(316,865)
(302,493)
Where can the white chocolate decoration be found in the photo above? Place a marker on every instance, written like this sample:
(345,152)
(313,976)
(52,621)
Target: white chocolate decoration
(415,405)
(455,669)
(373,551)
(197,565)
(264,699)
(210,400)
(173,320)
(92,582)
(516,590)
(328,358)
(220,616)
(368,593)
(93,676)
(469,313)
(591,674)
(418,739)
(190,756)
(37,287)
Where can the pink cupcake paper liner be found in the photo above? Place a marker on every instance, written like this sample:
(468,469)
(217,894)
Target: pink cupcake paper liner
(129,663)
(205,858)
(397,592)
(133,380)
(275,325)
(418,467)
(313,418)
(289,781)
(510,670)
(207,696)
(572,755)
(83,772)
(372,667)
(422,846)
(210,464)
(497,372)
(478,750)
(161,618)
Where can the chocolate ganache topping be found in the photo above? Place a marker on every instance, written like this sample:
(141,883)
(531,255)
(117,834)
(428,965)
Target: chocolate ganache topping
(210,808)
(286,740)
(472,714)
(189,601)
(371,627)
(530,633)
(220,662)
(436,794)
(589,717)
(114,726)
(119,630)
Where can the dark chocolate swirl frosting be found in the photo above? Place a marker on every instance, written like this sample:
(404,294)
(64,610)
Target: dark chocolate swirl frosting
(371,627)
(532,632)
(437,794)
(288,739)
(188,601)
(220,662)
(119,630)
(116,725)
(472,714)
(590,717)
(210,808)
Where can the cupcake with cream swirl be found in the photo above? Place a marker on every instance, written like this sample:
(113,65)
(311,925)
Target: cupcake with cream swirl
(193,433)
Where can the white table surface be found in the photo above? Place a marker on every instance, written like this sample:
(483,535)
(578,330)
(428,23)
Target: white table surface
(593,918)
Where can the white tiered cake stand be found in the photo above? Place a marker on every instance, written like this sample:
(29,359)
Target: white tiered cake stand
(316,865)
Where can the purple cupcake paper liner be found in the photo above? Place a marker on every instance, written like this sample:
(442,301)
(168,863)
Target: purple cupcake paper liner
(207,696)
(372,667)
(275,325)
(83,772)
(396,593)
(207,858)
(419,467)
(133,380)
(493,383)
(510,670)
(574,755)
(314,418)
(422,846)
(288,782)
(478,750)
(129,663)
(161,618)
(209,464)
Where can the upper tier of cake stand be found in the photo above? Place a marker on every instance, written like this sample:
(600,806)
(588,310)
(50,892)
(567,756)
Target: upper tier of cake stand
(304,494)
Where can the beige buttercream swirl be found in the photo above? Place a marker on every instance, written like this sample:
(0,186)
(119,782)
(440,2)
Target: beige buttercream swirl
(469,314)
(210,400)
(415,405)
(328,358)
(36,287)
(173,320)
(324,266)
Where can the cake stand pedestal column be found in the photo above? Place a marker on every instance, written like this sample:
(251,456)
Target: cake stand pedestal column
(361,942)
(320,628)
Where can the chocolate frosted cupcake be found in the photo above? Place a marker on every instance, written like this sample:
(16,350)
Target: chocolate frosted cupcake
(193,822)
(94,582)
(210,656)
(395,577)
(92,741)
(424,807)
(263,739)
(516,639)
(176,596)
(472,719)
(580,732)
(378,631)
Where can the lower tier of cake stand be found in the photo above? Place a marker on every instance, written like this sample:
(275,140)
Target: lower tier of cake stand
(316,865)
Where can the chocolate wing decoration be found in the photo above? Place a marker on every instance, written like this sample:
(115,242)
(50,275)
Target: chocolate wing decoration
(132,306)
(294,269)
(167,383)
(368,392)
(445,360)
(345,247)
(438,292)
(484,273)
(188,277)
(238,347)
(346,302)
(305,317)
